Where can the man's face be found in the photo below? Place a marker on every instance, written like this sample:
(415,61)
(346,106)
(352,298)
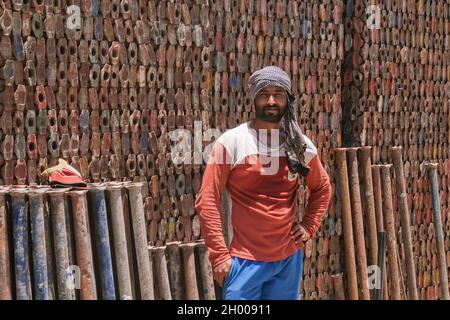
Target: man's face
(270,104)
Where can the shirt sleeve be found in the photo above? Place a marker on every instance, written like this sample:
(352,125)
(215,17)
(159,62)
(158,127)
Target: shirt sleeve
(319,187)
(208,203)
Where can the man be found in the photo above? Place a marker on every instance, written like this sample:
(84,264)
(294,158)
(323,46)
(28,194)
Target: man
(263,258)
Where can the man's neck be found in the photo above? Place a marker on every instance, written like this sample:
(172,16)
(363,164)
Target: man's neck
(257,125)
(260,124)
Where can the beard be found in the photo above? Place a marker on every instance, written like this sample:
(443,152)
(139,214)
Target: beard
(270,113)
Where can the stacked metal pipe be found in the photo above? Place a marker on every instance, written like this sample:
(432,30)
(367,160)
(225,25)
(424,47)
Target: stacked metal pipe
(396,92)
(102,83)
(317,84)
(362,186)
(97,241)
(439,251)
(378,236)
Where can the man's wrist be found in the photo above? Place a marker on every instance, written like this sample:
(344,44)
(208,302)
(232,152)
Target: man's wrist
(221,261)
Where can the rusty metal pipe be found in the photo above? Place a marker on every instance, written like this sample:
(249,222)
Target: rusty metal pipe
(97,205)
(389,224)
(131,248)
(441,255)
(376,181)
(369,204)
(396,156)
(381,263)
(358,225)
(49,249)
(175,274)
(338,286)
(70,229)
(40,271)
(350,264)
(379,218)
(159,254)
(83,245)
(190,276)
(6,292)
(60,236)
(140,239)
(120,241)
(20,238)
(206,272)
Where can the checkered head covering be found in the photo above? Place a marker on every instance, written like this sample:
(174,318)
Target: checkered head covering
(295,143)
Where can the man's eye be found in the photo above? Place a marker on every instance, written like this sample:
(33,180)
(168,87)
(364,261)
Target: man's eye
(277,96)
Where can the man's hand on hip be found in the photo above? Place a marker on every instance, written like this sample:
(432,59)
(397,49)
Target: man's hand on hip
(221,271)
(299,233)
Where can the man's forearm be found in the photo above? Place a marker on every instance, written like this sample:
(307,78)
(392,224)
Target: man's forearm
(317,206)
(319,186)
(211,224)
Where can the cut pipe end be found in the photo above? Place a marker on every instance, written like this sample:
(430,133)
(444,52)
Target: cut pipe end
(77,193)
(57,192)
(187,245)
(18,191)
(37,192)
(429,165)
(134,186)
(113,185)
(96,187)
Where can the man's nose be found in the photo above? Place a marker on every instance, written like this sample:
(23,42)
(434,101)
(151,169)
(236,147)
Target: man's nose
(271,100)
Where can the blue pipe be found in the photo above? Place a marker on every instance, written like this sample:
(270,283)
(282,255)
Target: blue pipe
(38,242)
(20,239)
(97,205)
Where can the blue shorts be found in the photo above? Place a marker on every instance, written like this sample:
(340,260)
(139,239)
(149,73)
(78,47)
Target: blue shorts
(254,280)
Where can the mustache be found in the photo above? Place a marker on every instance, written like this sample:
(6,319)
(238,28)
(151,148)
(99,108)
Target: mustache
(274,106)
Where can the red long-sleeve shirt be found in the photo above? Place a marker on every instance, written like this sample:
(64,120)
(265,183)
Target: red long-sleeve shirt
(262,197)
